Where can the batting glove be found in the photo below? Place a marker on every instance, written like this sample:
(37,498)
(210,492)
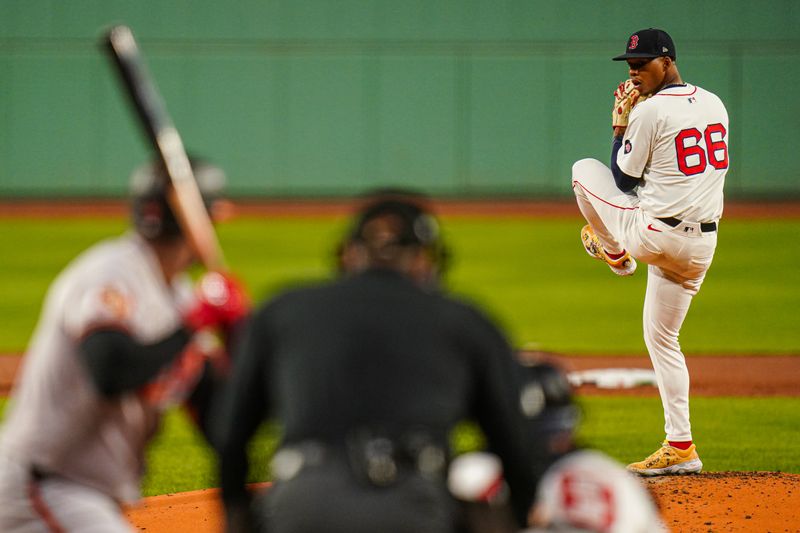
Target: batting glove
(221,302)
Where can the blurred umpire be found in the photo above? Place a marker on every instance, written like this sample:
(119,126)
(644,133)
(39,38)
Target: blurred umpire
(368,375)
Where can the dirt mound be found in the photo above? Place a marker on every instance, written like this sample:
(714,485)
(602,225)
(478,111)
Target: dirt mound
(712,502)
(729,501)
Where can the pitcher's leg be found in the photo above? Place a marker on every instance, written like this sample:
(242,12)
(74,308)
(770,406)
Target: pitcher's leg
(665,306)
(607,209)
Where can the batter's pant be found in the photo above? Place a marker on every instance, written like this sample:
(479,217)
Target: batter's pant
(677,257)
(53,504)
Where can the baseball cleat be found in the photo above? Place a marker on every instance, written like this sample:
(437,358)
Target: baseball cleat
(624,266)
(668,460)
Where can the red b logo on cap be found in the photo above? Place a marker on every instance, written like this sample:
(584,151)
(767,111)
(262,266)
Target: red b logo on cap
(634,42)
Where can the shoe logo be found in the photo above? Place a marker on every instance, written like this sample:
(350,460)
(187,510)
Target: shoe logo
(651,228)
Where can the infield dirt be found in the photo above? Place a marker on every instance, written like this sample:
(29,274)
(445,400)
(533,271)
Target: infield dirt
(712,502)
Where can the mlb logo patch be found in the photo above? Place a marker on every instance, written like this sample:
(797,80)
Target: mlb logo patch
(628,147)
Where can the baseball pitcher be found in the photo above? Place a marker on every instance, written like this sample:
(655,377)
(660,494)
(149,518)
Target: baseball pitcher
(659,203)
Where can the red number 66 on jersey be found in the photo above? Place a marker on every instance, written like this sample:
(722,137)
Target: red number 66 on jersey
(692,157)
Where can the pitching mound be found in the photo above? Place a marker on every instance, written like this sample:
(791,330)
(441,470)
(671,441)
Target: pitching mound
(729,501)
(720,501)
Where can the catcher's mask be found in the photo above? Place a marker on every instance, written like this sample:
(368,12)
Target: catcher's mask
(394,220)
(152,216)
(547,402)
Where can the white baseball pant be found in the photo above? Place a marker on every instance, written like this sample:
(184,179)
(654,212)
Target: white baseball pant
(677,259)
(53,504)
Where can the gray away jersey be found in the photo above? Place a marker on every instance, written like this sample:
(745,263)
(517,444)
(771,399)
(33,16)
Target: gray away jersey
(57,421)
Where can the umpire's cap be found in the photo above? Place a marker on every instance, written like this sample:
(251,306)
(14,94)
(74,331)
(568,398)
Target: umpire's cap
(393,218)
(647,44)
(152,216)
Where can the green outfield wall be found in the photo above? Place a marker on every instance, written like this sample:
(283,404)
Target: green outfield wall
(328,97)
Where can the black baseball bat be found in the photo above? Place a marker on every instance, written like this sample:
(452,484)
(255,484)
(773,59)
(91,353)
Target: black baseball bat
(185,198)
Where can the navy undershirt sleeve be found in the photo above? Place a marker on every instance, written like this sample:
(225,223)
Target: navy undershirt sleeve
(624,182)
(117,363)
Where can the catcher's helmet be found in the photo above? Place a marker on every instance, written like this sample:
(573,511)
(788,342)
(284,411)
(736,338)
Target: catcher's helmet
(587,491)
(547,402)
(152,216)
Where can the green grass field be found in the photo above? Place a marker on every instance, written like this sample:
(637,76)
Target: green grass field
(732,439)
(534,277)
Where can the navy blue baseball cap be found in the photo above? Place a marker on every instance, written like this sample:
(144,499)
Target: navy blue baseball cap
(648,43)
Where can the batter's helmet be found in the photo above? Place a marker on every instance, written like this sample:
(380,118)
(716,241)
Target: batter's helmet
(152,216)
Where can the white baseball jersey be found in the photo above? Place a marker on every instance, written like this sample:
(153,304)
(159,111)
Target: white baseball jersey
(57,420)
(677,141)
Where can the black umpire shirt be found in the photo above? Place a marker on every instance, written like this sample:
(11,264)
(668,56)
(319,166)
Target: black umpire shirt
(374,351)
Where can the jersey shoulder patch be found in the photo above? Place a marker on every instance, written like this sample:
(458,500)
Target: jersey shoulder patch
(103,305)
(113,303)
